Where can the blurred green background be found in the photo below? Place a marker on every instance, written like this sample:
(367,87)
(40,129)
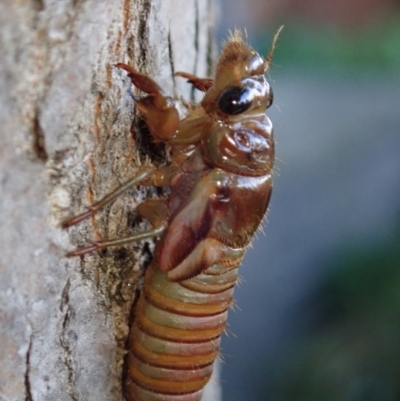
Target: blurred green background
(318,312)
(370,50)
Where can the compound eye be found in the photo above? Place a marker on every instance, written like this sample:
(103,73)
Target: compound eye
(235,100)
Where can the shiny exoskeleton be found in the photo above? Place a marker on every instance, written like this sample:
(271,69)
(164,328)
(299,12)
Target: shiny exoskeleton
(221,161)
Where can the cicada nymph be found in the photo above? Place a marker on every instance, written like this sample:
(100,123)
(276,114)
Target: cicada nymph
(219,174)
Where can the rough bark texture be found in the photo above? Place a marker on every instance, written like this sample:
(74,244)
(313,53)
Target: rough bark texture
(67,139)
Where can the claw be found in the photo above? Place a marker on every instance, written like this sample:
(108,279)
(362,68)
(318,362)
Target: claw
(202,84)
(142,82)
(158,109)
(84,250)
(77,219)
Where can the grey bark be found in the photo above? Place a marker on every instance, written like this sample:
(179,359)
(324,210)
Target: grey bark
(67,139)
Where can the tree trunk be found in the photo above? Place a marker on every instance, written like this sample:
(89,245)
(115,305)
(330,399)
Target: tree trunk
(67,139)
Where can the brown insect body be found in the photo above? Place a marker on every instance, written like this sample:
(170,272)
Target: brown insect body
(222,156)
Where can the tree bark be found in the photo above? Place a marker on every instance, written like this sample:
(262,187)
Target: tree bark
(67,139)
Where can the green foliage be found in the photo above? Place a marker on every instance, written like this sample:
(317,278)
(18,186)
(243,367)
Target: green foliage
(329,48)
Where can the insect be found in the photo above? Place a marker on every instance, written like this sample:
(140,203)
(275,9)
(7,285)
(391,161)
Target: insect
(221,162)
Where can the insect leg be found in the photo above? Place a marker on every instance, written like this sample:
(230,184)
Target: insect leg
(158,109)
(154,210)
(97,245)
(202,84)
(92,209)
(160,177)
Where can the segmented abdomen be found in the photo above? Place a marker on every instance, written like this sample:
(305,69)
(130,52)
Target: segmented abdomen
(176,333)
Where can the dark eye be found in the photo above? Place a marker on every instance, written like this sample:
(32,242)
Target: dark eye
(235,100)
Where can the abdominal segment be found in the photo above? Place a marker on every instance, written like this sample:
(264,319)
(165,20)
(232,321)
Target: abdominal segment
(176,334)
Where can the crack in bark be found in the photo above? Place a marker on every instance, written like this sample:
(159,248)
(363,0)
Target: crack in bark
(210,44)
(196,33)
(38,139)
(27,382)
(143,31)
(171,60)
(125,15)
(38,5)
(65,295)
(64,305)
(196,45)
